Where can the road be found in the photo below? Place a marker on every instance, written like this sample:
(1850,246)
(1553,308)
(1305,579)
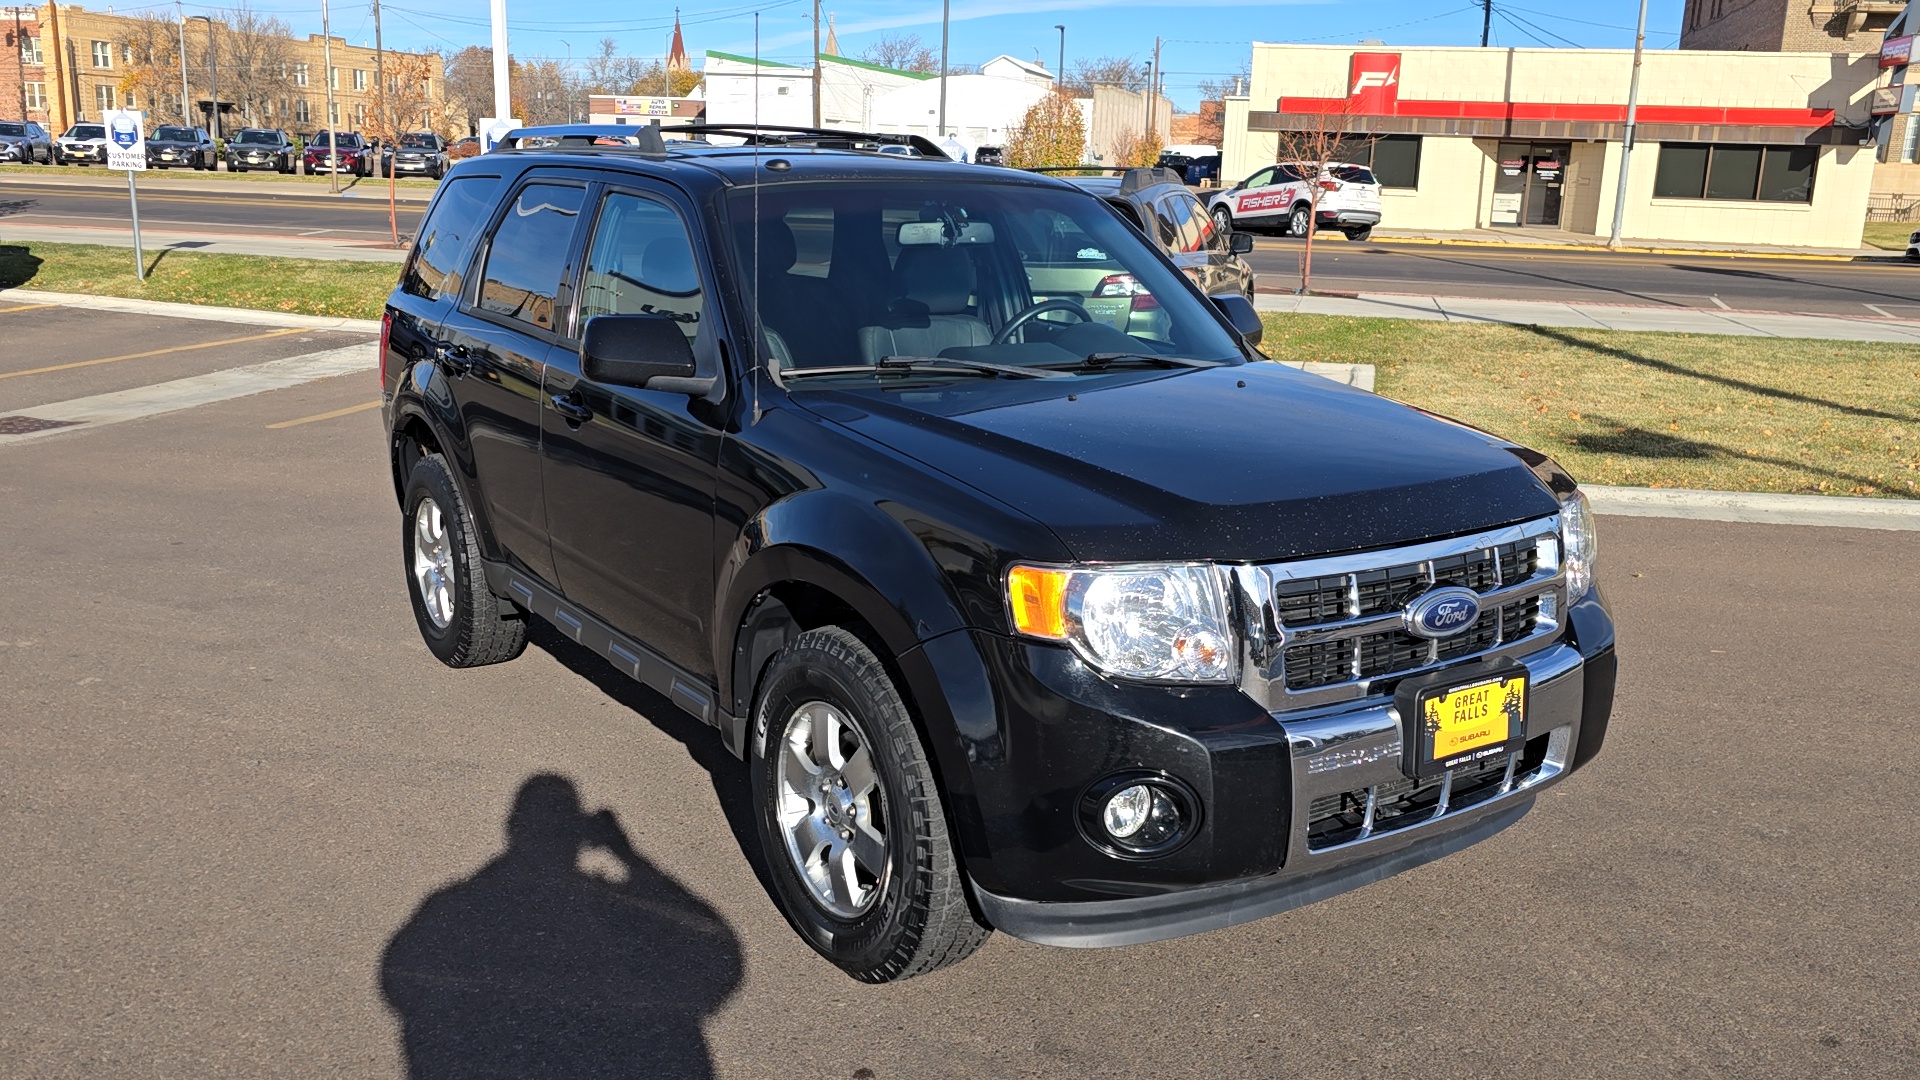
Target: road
(1867,290)
(248,826)
(360,218)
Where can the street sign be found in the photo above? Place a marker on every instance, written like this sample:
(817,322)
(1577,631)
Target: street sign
(493,129)
(126,139)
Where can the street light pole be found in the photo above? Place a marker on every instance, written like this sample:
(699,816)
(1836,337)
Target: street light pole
(946,9)
(213,74)
(20,64)
(1626,146)
(326,61)
(1060,76)
(186,114)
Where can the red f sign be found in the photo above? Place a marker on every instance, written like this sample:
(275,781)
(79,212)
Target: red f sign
(1375,84)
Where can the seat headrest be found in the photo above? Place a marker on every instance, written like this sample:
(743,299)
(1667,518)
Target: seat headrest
(941,278)
(667,266)
(777,250)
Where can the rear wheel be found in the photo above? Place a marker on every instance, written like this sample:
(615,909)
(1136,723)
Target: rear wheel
(1359,233)
(463,623)
(1300,222)
(851,818)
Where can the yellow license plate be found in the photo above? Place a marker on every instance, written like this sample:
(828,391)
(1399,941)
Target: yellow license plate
(1469,722)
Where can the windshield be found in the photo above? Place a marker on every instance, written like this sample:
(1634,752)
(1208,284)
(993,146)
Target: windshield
(174,134)
(345,140)
(13,129)
(1008,274)
(86,131)
(417,142)
(268,137)
(1352,174)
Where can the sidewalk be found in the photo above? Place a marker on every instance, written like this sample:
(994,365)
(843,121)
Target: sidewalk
(173,183)
(1557,240)
(201,240)
(1594,316)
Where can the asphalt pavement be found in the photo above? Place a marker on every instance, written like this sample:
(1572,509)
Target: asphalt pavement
(248,826)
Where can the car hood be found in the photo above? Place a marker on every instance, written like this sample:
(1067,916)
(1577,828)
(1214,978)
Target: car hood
(1250,463)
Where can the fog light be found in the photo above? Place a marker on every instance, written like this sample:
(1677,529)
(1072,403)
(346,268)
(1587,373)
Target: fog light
(1139,816)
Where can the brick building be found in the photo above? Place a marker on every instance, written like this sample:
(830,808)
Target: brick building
(1829,26)
(23,78)
(93,61)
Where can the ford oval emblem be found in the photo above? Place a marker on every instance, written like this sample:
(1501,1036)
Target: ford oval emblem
(1442,613)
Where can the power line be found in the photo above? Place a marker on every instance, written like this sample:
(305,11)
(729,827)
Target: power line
(1512,18)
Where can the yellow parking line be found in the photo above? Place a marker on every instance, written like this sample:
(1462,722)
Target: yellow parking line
(348,411)
(22,307)
(152,352)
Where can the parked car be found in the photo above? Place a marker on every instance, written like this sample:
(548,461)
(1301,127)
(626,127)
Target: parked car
(81,144)
(173,146)
(340,151)
(261,148)
(1279,197)
(420,153)
(25,142)
(990,155)
(463,148)
(1157,202)
(1017,619)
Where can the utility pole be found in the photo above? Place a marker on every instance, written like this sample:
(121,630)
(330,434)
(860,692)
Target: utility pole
(1060,75)
(1153,92)
(186,107)
(946,10)
(379,81)
(20,63)
(213,73)
(326,61)
(1486,22)
(1626,146)
(816,63)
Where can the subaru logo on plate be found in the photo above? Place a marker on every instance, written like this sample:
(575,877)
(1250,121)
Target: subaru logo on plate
(1442,613)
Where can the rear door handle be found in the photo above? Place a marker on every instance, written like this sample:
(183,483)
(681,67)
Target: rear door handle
(454,358)
(571,407)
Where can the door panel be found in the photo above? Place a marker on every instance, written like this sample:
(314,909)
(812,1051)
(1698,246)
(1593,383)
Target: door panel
(630,487)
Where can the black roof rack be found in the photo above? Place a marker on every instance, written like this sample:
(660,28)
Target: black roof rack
(651,139)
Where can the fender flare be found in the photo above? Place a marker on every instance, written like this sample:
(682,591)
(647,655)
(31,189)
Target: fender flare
(423,395)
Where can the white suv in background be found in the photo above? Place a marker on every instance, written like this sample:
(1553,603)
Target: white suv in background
(1279,197)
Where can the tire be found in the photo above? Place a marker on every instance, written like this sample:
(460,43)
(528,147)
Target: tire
(1223,219)
(467,626)
(902,910)
(1360,234)
(1300,222)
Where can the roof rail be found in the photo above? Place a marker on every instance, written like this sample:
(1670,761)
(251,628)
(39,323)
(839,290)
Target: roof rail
(1132,177)
(652,138)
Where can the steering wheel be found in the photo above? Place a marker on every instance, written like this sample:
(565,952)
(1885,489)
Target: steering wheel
(1059,303)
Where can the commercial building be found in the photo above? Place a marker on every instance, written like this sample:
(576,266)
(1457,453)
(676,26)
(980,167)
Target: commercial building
(1758,148)
(91,61)
(1828,26)
(1896,112)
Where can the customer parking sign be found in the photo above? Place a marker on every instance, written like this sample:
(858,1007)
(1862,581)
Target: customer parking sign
(126,139)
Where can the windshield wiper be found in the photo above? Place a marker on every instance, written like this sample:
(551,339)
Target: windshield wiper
(1096,361)
(922,364)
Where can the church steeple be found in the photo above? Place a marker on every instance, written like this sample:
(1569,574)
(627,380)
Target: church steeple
(677,52)
(832,47)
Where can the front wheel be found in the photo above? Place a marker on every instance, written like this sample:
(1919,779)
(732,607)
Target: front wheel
(1300,223)
(463,623)
(850,817)
(1222,220)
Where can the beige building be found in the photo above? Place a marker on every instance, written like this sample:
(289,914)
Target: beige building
(93,61)
(1786,25)
(1761,148)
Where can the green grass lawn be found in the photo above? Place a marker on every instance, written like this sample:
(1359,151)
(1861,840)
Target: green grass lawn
(1651,410)
(304,286)
(1890,235)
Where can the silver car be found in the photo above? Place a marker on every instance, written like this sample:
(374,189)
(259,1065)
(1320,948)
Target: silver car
(82,144)
(25,142)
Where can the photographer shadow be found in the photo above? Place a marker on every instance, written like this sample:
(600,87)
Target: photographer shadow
(568,955)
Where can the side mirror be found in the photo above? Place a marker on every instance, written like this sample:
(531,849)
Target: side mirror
(1239,185)
(1240,315)
(642,351)
(1240,242)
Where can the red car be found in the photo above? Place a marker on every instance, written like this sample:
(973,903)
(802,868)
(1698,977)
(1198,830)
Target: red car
(349,153)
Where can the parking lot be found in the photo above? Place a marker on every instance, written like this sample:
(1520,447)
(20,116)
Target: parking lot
(249,826)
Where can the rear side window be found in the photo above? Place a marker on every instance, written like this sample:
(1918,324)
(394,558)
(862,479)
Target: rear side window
(528,253)
(446,239)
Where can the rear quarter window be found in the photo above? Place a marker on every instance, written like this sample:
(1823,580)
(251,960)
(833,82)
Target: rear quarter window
(1352,174)
(447,237)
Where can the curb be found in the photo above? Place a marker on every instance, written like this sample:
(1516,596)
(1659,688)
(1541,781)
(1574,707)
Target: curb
(167,309)
(1831,511)
(1624,250)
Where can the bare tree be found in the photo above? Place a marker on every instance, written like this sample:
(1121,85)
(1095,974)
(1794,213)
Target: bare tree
(400,107)
(610,73)
(255,55)
(1318,143)
(902,52)
(1120,71)
(544,92)
(1133,149)
(1237,83)
(154,73)
(469,84)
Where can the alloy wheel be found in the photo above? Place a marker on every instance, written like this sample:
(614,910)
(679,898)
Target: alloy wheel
(433,573)
(830,809)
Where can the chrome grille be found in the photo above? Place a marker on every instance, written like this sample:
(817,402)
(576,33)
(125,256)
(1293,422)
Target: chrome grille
(1329,628)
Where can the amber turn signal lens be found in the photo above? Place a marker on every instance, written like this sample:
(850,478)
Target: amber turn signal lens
(1038,598)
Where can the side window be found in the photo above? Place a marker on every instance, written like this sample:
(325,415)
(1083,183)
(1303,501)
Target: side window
(1168,229)
(1180,210)
(528,253)
(1286,174)
(641,262)
(446,238)
(1260,179)
(1210,236)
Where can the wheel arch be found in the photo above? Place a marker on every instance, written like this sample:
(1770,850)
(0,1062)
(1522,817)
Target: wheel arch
(421,427)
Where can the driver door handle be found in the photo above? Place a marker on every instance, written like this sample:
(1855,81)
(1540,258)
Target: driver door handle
(572,408)
(454,358)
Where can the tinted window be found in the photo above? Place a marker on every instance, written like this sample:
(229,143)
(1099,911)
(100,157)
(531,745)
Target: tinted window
(1787,173)
(1766,173)
(1210,236)
(272,137)
(86,131)
(1165,230)
(1733,172)
(446,238)
(13,129)
(528,252)
(175,134)
(419,142)
(641,262)
(1181,210)
(1352,174)
(1396,161)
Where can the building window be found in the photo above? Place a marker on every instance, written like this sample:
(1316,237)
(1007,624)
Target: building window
(129,102)
(30,50)
(1738,173)
(333,77)
(103,96)
(36,95)
(302,112)
(102,54)
(359,78)
(1394,159)
(333,114)
(126,53)
(299,74)
(1910,142)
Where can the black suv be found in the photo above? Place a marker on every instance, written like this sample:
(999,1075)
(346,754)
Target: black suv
(1158,203)
(1092,630)
(262,148)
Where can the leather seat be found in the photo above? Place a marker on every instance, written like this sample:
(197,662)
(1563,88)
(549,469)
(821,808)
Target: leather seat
(934,286)
(794,308)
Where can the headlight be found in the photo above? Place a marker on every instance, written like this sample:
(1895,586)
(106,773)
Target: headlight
(1166,623)
(1580,541)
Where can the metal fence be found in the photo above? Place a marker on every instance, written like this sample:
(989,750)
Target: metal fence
(1893,208)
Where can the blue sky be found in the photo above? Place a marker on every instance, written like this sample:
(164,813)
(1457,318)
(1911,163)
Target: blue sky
(1205,40)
